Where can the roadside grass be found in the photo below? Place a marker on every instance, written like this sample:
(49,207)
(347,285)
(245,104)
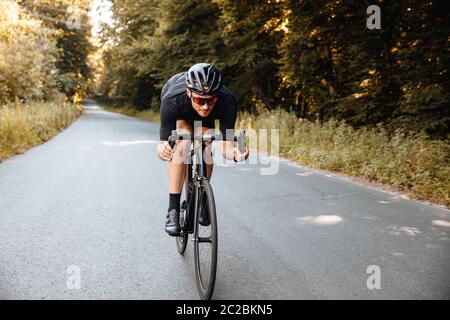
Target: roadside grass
(410,162)
(148,114)
(23,126)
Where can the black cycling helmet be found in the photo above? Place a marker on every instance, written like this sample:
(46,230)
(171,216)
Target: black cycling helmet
(203,79)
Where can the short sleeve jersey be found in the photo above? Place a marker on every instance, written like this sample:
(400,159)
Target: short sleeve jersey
(176,105)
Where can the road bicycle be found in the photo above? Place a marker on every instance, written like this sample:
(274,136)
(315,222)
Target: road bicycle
(199,199)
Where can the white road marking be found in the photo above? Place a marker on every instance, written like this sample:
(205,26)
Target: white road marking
(320,220)
(441,223)
(128,143)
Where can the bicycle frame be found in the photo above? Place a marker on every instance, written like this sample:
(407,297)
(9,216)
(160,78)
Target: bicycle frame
(199,174)
(197,186)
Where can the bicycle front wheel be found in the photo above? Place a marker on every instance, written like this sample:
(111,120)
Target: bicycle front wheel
(185,213)
(205,238)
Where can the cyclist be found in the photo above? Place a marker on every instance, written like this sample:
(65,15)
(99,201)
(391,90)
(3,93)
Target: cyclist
(187,99)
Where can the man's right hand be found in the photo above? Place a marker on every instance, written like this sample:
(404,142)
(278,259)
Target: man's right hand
(164,151)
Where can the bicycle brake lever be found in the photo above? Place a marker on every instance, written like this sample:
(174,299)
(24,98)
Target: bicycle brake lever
(172,139)
(241,141)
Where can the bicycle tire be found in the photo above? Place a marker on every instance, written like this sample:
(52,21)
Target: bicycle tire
(182,240)
(205,285)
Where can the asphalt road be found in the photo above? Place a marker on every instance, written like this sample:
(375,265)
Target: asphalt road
(82,217)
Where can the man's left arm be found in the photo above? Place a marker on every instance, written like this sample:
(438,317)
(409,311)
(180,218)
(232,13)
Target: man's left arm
(229,151)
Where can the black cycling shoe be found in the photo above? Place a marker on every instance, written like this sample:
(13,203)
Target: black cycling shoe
(173,222)
(203,216)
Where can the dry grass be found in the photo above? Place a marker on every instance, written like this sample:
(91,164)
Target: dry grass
(23,126)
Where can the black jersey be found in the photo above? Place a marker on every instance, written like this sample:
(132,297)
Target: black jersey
(176,105)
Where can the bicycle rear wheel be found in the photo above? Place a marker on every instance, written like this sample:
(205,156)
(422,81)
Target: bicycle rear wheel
(205,239)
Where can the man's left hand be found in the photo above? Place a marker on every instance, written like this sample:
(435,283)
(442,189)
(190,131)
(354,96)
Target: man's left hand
(238,157)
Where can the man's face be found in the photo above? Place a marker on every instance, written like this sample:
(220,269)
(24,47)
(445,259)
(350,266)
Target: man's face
(202,104)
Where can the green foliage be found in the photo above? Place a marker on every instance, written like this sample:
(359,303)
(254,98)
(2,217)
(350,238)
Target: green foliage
(70,18)
(340,69)
(40,51)
(187,33)
(122,76)
(316,58)
(28,55)
(249,52)
(69,83)
(155,40)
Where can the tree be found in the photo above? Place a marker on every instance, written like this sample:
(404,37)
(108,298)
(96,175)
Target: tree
(70,19)
(28,55)
(316,58)
(248,57)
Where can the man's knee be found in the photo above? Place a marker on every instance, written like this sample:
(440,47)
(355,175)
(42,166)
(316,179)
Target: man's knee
(182,148)
(181,152)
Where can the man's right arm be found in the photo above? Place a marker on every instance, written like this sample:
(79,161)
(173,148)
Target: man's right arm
(168,118)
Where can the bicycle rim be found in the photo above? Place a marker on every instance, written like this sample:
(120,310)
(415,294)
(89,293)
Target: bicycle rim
(182,240)
(205,248)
